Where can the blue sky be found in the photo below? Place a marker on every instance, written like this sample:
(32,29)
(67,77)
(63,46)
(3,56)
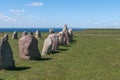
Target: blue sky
(56,13)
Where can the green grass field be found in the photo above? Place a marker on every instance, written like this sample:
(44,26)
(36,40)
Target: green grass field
(93,55)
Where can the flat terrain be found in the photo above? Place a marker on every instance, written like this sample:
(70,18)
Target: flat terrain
(93,55)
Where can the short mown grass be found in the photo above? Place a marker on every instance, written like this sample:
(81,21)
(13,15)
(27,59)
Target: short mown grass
(93,55)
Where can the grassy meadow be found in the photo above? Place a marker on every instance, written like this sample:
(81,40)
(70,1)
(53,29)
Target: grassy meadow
(93,55)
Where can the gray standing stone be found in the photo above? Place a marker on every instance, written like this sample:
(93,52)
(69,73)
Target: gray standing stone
(28,48)
(24,33)
(51,31)
(38,34)
(61,38)
(47,46)
(70,34)
(55,41)
(6,36)
(6,55)
(15,35)
(31,33)
(67,37)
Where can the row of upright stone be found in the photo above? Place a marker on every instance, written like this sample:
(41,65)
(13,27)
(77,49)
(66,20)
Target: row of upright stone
(53,41)
(24,33)
(28,46)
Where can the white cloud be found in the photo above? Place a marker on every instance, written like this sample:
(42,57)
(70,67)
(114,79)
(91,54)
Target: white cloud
(95,23)
(35,4)
(17,11)
(115,24)
(20,20)
(2,16)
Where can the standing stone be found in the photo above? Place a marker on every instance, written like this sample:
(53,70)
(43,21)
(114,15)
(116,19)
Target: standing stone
(61,38)
(47,46)
(38,34)
(31,33)
(6,36)
(6,55)
(55,44)
(51,31)
(24,33)
(15,35)
(65,31)
(70,34)
(55,41)
(28,48)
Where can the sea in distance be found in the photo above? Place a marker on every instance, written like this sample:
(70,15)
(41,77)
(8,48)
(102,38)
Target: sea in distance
(34,29)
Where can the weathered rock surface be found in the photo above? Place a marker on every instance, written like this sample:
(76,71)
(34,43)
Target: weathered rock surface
(61,38)
(6,55)
(47,46)
(6,36)
(51,31)
(28,48)
(15,35)
(38,34)
(31,33)
(24,33)
(70,34)
(55,41)
(67,37)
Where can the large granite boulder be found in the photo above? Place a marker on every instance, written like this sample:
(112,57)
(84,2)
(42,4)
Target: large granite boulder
(67,37)
(15,35)
(6,55)
(28,48)
(38,34)
(55,41)
(47,46)
(24,33)
(6,36)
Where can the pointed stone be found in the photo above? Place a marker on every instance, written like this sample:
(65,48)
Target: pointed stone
(6,55)
(47,46)
(15,35)
(24,33)
(28,48)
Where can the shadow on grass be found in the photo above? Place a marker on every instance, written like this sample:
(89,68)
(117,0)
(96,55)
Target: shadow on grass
(1,79)
(18,68)
(55,52)
(43,59)
(63,49)
(73,41)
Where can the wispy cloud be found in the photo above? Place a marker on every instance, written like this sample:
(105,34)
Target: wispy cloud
(24,20)
(2,16)
(35,4)
(115,24)
(17,11)
(95,23)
